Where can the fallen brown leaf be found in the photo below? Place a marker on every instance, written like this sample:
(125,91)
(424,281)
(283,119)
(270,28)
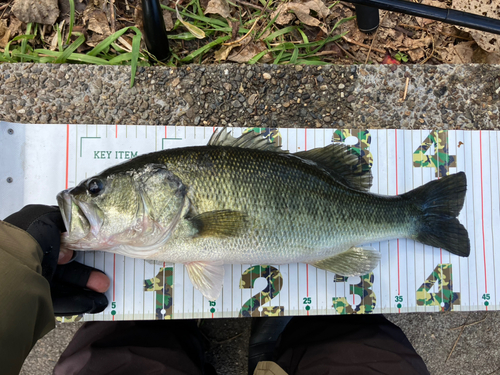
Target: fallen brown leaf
(249,51)
(167,18)
(220,7)
(39,11)
(98,23)
(235,26)
(301,11)
(4,33)
(487,41)
(224,51)
(458,54)
(15,26)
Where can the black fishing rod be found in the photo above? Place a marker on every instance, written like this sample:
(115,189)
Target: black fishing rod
(367,15)
(155,33)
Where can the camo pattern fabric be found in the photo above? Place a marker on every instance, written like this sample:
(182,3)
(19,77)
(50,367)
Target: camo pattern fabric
(272,134)
(441,161)
(274,285)
(162,285)
(445,296)
(362,289)
(362,146)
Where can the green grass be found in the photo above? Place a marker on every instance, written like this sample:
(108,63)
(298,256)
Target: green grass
(285,44)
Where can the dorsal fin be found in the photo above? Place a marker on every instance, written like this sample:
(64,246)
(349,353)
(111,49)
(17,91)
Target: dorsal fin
(343,162)
(248,140)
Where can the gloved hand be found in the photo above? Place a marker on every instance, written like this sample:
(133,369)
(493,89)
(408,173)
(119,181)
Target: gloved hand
(75,288)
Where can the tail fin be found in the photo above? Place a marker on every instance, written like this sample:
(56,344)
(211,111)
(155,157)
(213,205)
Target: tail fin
(440,202)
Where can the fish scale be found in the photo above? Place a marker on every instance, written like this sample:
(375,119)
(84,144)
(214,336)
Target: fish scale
(295,212)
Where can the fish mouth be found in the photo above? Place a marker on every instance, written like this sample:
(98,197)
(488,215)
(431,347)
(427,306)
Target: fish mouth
(80,218)
(65,204)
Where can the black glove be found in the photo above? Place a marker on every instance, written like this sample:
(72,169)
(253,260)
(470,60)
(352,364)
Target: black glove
(67,282)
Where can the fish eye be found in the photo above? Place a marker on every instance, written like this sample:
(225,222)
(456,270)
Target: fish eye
(95,187)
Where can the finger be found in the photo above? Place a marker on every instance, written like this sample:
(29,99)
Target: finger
(80,275)
(71,300)
(65,255)
(98,281)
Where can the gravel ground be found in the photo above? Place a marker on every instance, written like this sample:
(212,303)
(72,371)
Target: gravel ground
(444,96)
(449,97)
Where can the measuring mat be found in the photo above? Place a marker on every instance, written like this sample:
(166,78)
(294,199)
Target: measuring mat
(38,161)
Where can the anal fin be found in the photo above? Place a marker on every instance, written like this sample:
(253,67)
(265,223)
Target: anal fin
(356,261)
(207,277)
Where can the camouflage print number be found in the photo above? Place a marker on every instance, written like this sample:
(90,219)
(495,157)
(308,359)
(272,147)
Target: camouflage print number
(441,161)
(445,296)
(162,284)
(362,289)
(273,288)
(272,134)
(362,146)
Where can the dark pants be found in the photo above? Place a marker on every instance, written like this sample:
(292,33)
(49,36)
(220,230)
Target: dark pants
(361,344)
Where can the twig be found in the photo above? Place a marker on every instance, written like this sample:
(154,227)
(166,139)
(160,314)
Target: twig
(373,40)
(456,342)
(127,6)
(348,5)
(2,7)
(244,36)
(362,45)
(5,6)
(112,12)
(406,88)
(349,54)
(432,52)
(458,338)
(468,325)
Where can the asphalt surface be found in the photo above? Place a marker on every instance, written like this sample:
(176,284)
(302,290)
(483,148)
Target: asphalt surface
(446,97)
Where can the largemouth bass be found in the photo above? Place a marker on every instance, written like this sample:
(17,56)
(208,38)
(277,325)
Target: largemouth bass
(245,200)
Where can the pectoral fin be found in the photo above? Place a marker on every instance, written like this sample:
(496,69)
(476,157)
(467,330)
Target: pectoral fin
(356,261)
(222,223)
(207,277)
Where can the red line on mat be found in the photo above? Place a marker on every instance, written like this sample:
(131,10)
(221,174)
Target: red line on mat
(307,265)
(67,153)
(482,210)
(114,268)
(397,192)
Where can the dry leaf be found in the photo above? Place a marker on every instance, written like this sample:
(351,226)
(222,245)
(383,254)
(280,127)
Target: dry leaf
(416,54)
(220,7)
(487,41)
(301,10)
(249,51)
(480,56)
(15,26)
(458,54)
(235,27)
(417,43)
(167,18)
(422,22)
(198,33)
(4,33)
(223,53)
(39,11)
(98,23)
